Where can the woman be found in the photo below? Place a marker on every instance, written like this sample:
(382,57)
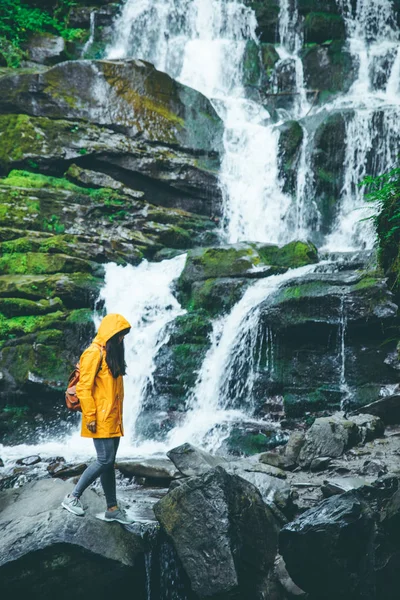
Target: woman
(101,391)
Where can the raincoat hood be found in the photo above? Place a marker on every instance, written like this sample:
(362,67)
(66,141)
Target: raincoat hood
(110,325)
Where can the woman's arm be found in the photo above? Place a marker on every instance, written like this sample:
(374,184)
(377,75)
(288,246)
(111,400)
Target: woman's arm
(89,367)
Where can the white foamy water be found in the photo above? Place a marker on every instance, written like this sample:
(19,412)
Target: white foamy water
(202,43)
(143,295)
(373,132)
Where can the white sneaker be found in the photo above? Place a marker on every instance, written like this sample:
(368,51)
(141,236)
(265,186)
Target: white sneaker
(73,504)
(118,515)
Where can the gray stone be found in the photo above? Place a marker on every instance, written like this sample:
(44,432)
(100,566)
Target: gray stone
(320,464)
(129,95)
(328,436)
(224,534)
(340,485)
(387,408)
(43,544)
(97,179)
(369,426)
(328,550)
(375,468)
(153,468)
(45,48)
(28,460)
(64,470)
(192,461)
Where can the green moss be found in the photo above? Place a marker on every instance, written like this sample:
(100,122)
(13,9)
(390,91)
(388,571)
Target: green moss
(269,58)
(226,261)
(216,296)
(16,307)
(193,328)
(293,255)
(81,316)
(27,179)
(38,263)
(251,64)
(17,326)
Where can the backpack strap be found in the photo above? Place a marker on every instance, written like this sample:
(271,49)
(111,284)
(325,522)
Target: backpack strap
(101,357)
(101,361)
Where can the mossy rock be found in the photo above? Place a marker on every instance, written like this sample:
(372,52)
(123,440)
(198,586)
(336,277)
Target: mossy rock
(76,290)
(328,156)
(290,142)
(140,99)
(292,255)
(217,296)
(39,263)
(224,261)
(19,326)
(17,307)
(204,266)
(321,26)
(246,443)
(194,328)
(325,399)
(317,6)
(251,68)
(330,68)
(267,15)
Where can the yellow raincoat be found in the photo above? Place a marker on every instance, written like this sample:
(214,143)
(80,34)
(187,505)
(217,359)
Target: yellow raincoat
(101,396)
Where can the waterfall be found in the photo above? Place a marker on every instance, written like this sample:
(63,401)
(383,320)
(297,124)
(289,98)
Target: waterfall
(227,374)
(373,132)
(144,296)
(201,44)
(90,41)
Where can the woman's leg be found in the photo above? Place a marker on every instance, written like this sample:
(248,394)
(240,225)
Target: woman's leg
(107,479)
(105,449)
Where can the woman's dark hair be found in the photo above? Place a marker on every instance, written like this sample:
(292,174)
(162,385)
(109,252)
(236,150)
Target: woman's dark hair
(115,354)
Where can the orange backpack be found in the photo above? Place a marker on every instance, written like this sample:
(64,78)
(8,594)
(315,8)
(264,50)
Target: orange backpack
(71,399)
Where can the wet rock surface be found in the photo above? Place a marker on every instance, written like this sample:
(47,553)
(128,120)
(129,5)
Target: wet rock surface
(236,530)
(75,556)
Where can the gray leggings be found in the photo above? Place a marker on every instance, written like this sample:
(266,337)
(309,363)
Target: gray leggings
(106,449)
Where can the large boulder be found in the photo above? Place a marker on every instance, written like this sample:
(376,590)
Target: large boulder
(192,461)
(224,534)
(49,552)
(171,177)
(328,550)
(130,95)
(332,436)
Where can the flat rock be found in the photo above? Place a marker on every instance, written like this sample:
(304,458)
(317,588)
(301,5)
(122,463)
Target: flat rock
(340,485)
(38,534)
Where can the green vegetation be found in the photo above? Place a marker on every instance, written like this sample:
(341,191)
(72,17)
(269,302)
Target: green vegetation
(384,193)
(18,21)
(27,179)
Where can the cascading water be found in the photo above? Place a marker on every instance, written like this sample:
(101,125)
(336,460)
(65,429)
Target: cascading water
(202,44)
(227,374)
(373,132)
